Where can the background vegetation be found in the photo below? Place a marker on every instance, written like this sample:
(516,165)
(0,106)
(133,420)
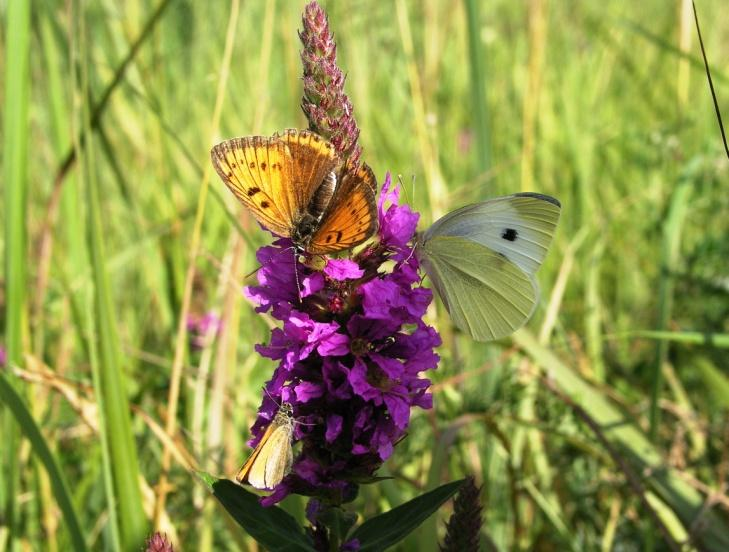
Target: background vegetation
(605,415)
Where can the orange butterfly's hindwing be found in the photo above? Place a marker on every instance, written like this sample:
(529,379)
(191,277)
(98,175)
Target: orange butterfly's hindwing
(352,214)
(295,185)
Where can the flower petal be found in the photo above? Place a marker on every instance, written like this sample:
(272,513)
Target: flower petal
(343,269)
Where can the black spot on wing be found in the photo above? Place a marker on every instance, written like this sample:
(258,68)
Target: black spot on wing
(509,234)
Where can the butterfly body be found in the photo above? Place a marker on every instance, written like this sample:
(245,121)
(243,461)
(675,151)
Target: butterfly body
(272,458)
(297,186)
(482,260)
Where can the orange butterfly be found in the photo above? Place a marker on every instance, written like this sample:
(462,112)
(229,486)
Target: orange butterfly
(297,186)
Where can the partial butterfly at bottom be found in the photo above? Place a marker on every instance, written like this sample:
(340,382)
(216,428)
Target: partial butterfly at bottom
(297,186)
(482,261)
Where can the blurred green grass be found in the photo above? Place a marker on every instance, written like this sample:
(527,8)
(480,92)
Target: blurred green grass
(601,104)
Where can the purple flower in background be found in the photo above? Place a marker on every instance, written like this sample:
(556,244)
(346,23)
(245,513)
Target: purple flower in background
(158,543)
(203,328)
(351,353)
(3,356)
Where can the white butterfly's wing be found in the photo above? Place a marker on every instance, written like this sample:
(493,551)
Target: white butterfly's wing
(519,226)
(482,259)
(486,295)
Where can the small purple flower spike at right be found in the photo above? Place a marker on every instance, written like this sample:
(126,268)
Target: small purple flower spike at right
(158,543)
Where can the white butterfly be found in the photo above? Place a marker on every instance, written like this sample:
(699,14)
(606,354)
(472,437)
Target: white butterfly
(482,259)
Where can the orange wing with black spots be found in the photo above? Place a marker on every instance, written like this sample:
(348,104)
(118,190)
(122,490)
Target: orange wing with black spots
(312,158)
(352,214)
(275,177)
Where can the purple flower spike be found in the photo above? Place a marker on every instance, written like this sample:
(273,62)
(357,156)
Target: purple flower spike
(350,353)
(326,106)
(158,543)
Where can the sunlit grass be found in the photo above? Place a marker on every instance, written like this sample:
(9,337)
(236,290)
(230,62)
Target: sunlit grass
(107,247)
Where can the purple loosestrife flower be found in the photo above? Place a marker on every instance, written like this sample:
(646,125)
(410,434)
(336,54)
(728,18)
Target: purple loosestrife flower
(350,354)
(326,106)
(203,328)
(158,543)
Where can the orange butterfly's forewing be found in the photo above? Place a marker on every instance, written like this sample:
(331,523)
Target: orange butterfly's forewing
(352,214)
(275,177)
(312,158)
(239,163)
(294,184)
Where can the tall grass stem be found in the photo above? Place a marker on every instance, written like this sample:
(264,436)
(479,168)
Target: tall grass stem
(109,380)
(15,178)
(181,337)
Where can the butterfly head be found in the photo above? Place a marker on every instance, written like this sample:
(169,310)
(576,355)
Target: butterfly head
(287,409)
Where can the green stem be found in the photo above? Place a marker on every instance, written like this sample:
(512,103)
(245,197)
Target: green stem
(15,157)
(672,233)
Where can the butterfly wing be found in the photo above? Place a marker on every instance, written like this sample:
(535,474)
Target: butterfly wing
(271,461)
(312,159)
(275,177)
(519,226)
(244,473)
(482,260)
(279,462)
(486,295)
(351,217)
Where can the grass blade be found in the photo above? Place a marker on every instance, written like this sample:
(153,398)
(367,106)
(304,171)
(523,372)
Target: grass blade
(15,156)
(670,254)
(60,488)
(478,84)
(181,337)
(109,378)
(665,481)
(708,339)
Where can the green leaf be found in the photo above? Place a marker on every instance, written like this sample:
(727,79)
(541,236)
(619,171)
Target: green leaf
(387,529)
(208,479)
(60,488)
(715,381)
(271,527)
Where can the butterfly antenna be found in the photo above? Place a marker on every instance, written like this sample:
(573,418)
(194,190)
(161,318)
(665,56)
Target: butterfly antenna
(271,397)
(412,252)
(260,266)
(252,272)
(296,273)
(400,185)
